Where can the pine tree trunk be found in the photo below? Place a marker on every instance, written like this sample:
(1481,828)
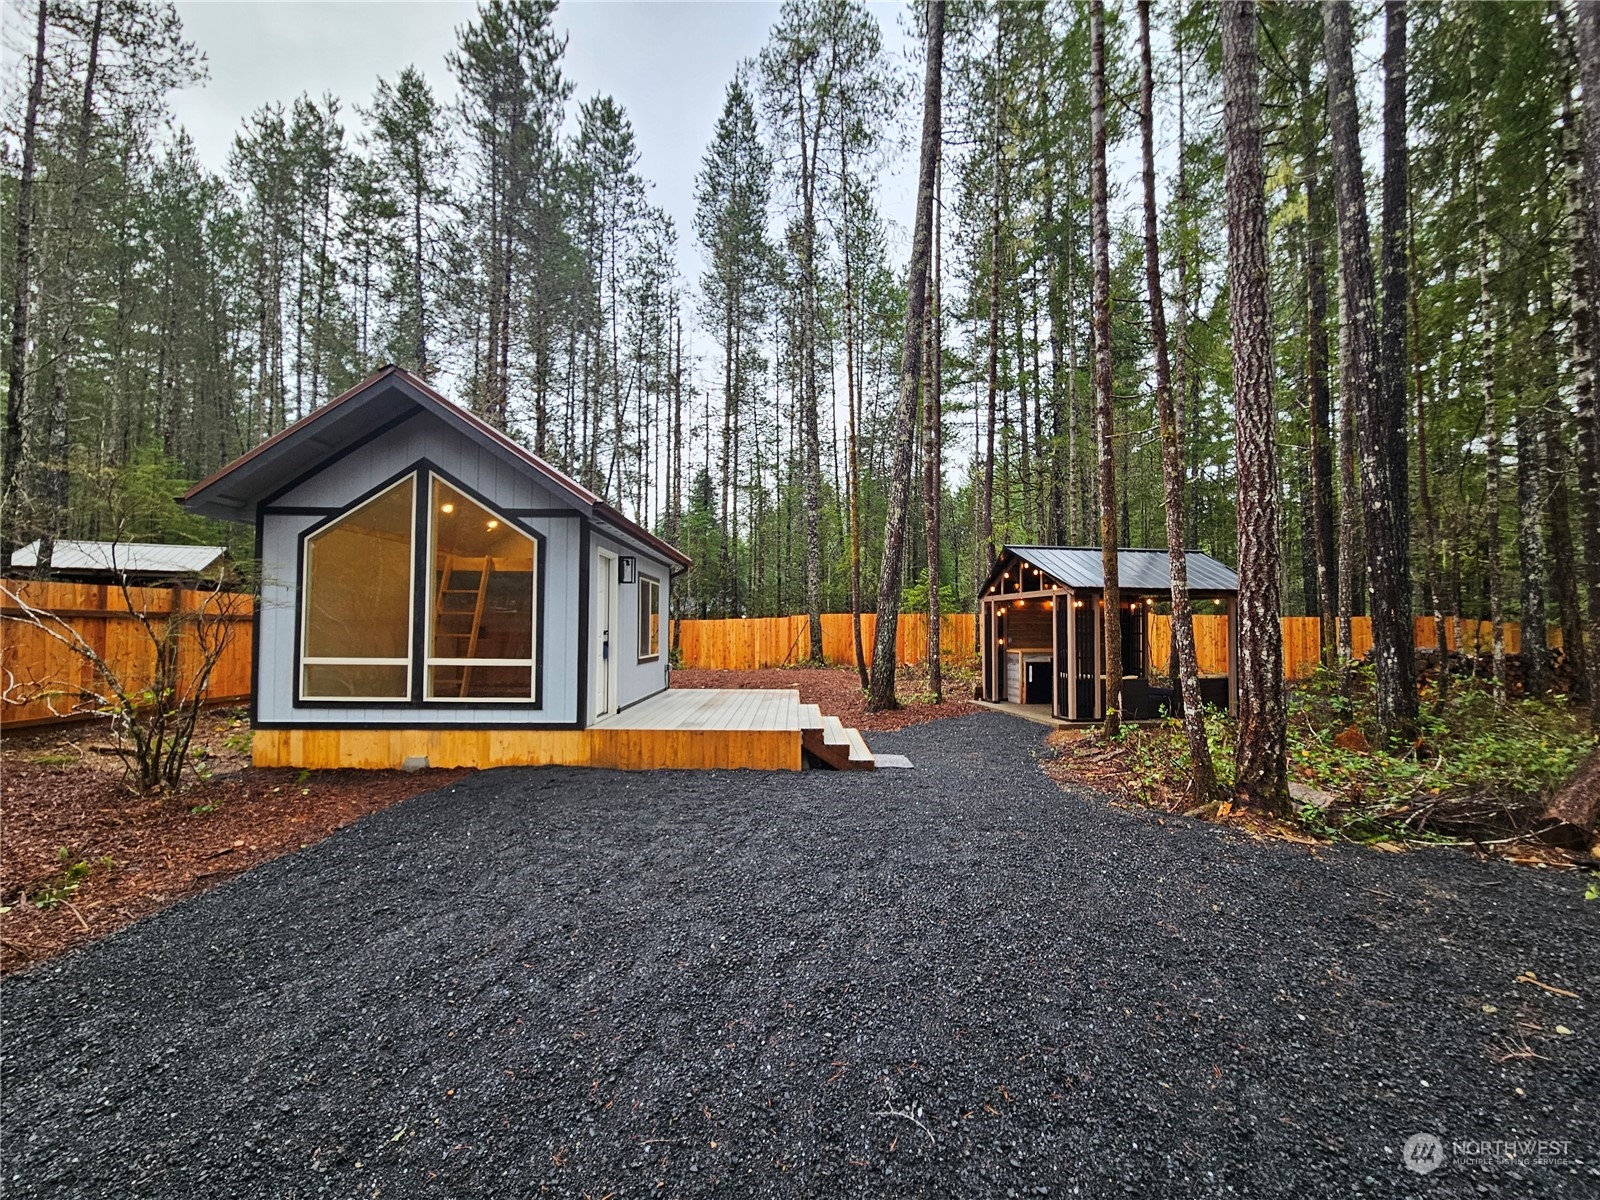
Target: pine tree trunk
(1431,548)
(1530,550)
(881,694)
(21,285)
(1182,624)
(55,492)
(1100,315)
(1260,763)
(1586,412)
(1390,569)
(1376,387)
(853,455)
(1321,402)
(812,443)
(933,452)
(1588,38)
(1491,429)
(424,367)
(986,510)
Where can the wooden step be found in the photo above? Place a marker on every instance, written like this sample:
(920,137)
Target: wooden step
(831,744)
(810,716)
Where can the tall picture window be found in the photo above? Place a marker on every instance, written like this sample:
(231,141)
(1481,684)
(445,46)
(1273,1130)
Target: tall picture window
(649,618)
(356,638)
(483,583)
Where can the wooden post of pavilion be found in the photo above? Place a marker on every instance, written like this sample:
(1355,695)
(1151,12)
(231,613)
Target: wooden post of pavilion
(1099,657)
(1072,656)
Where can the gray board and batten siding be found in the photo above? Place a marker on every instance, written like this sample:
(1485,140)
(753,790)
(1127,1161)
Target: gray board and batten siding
(637,678)
(356,451)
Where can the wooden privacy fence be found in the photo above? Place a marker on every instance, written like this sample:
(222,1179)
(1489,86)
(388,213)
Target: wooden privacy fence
(754,643)
(33,662)
(1302,641)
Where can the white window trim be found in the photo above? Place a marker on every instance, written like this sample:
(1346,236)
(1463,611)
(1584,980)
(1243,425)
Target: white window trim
(644,582)
(429,662)
(411,610)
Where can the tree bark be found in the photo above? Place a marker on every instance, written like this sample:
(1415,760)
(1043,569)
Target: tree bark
(881,695)
(812,471)
(57,472)
(21,286)
(853,456)
(1588,39)
(1182,624)
(1321,403)
(986,510)
(1431,546)
(1377,387)
(1584,252)
(1530,550)
(1261,768)
(1491,421)
(1100,307)
(933,450)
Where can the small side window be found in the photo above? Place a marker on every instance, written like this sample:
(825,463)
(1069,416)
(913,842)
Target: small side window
(649,618)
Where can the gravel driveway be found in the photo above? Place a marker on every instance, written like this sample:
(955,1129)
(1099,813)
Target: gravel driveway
(951,981)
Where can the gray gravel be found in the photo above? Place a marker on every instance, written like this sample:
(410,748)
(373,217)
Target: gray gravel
(954,980)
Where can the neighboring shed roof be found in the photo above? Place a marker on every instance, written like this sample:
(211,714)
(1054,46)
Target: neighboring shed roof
(1137,570)
(133,558)
(385,398)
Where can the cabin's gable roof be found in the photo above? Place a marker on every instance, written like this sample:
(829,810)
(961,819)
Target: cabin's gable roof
(1137,570)
(384,400)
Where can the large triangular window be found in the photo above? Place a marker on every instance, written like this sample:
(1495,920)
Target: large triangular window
(356,637)
(483,574)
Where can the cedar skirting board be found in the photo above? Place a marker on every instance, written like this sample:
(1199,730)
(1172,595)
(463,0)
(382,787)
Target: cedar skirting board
(623,749)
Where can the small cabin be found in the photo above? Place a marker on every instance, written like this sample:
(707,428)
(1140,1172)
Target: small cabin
(432,593)
(1042,622)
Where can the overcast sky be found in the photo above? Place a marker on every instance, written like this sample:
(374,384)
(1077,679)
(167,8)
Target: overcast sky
(668,63)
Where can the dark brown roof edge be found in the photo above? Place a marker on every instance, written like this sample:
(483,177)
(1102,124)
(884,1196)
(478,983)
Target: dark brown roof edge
(476,425)
(315,414)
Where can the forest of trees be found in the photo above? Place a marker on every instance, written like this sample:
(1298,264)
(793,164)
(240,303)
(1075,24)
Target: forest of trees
(1398,399)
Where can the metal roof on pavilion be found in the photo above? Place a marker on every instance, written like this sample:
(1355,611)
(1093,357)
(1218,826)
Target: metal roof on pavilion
(1137,570)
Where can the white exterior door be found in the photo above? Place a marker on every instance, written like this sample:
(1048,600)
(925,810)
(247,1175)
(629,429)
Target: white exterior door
(606,641)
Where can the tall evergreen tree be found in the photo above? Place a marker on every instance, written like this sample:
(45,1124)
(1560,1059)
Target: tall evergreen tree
(1261,771)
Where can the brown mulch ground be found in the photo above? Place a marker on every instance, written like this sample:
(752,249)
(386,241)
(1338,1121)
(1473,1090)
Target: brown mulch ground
(60,790)
(837,691)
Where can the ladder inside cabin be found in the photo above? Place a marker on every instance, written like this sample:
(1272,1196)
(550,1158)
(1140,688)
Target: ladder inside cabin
(458,616)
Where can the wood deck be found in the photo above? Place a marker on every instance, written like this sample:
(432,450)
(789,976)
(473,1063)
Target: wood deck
(722,709)
(693,729)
